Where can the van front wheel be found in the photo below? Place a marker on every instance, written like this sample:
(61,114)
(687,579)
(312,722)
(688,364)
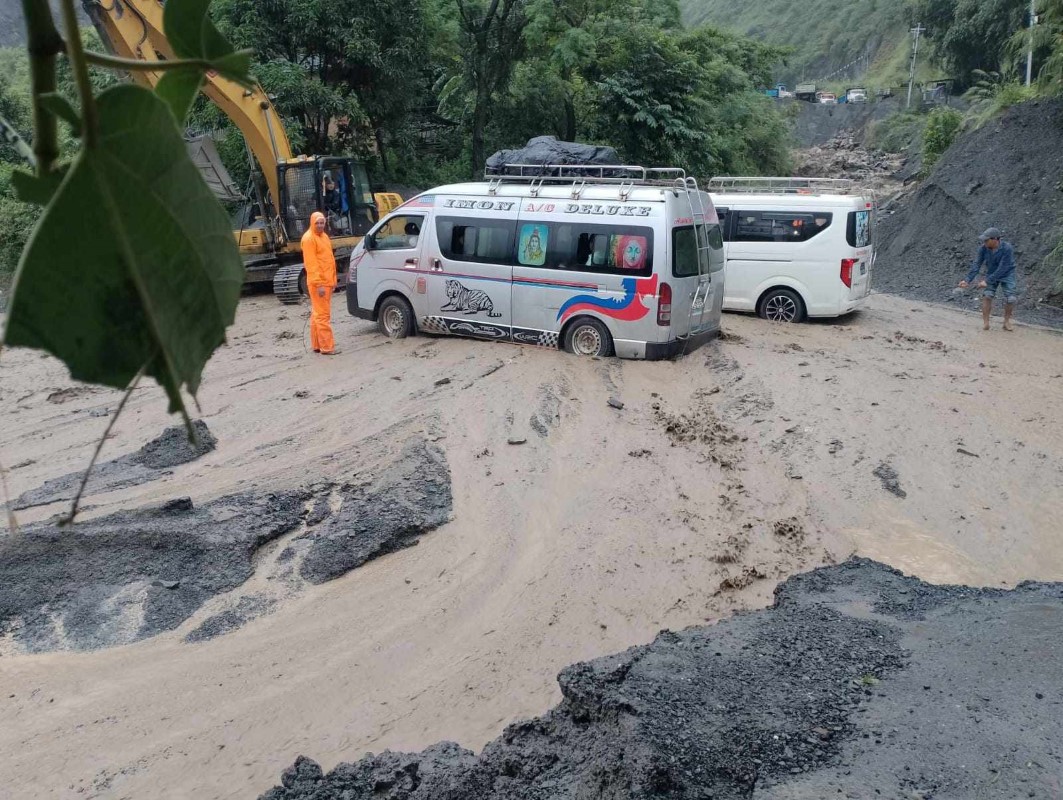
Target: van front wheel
(782,305)
(396,318)
(588,337)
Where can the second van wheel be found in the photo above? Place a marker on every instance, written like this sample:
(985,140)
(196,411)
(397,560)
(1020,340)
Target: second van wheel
(782,305)
(396,318)
(588,337)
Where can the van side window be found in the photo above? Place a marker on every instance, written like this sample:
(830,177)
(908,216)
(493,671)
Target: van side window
(858,229)
(486,240)
(779,226)
(607,249)
(725,222)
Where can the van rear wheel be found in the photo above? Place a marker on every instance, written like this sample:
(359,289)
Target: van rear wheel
(588,337)
(782,305)
(395,318)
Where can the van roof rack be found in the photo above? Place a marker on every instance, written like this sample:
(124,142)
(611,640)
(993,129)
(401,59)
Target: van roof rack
(724,185)
(596,173)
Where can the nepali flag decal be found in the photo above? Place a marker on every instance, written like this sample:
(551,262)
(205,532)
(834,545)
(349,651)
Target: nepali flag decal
(628,308)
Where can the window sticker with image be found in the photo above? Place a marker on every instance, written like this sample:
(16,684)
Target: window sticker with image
(863,228)
(628,252)
(533,241)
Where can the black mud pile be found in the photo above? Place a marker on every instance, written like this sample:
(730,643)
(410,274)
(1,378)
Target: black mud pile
(1008,174)
(408,497)
(133,574)
(858,683)
(171,449)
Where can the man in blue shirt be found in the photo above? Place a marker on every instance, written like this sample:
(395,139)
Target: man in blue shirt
(999,259)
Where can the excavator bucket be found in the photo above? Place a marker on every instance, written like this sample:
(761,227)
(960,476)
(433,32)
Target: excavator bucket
(206,158)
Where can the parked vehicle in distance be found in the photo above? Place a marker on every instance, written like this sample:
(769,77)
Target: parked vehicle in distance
(594,264)
(856,94)
(806,91)
(795,247)
(827,98)
(779,92)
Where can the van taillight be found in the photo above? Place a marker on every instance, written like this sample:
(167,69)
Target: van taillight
(664,305)
(847,271)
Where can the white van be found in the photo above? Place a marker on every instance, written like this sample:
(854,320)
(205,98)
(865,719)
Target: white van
(594,264)
(796,247)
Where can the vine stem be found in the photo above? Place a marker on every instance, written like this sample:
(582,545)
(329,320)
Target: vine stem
(43,43)
(67,520)
(76,52)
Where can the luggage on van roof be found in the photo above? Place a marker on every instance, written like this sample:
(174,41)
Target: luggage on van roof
(548,150)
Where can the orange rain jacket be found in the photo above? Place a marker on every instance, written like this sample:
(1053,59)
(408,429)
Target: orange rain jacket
(318,258)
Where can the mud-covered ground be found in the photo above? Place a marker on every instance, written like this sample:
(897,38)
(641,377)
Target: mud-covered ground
(859,682)
(575,529)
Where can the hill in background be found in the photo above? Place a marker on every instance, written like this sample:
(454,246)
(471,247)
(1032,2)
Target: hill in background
(826,35)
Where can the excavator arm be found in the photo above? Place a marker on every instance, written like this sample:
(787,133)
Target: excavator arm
(133,29)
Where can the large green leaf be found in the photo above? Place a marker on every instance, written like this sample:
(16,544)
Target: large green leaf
(192,35)
(133,262)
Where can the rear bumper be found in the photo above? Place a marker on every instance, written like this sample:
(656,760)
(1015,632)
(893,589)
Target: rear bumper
(657,351)
(352,304)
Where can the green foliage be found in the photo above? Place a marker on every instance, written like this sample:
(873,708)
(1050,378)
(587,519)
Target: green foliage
(942,127)
(992,93)
(346,73)
(971,35)
(131,268)
(898,133)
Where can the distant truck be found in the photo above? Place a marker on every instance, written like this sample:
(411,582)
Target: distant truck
(856,94)
(779,92)
(806,91)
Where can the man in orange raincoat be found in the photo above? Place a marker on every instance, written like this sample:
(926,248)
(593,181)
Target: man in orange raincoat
(320,266)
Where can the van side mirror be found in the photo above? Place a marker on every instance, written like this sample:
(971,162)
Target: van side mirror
(370,242)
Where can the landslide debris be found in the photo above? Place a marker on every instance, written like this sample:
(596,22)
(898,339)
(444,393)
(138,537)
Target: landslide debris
(410,496)
(1005,174)
(124,577)
(843,156)
(130,575)
(170,449)
(858,682)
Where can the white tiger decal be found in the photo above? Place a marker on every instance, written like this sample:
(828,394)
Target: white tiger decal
(469,301)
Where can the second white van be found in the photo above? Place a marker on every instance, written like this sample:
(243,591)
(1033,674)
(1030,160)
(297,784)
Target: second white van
(795,247)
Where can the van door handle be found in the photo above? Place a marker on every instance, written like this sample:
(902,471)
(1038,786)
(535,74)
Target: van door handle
(411,262)
(437,265)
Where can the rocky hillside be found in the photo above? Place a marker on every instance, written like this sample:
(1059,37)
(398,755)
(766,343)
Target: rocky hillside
(1006,174)
(826,34)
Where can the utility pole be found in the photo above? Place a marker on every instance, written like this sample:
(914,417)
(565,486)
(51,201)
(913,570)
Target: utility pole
(917,31)
(1029,53)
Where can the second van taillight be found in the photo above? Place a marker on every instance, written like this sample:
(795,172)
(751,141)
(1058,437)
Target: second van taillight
(664,305)
(847,271)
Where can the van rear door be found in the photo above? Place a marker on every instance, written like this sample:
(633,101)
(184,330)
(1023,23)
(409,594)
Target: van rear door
(859,237)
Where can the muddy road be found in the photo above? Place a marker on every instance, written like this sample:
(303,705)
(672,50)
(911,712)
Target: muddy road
(576,529)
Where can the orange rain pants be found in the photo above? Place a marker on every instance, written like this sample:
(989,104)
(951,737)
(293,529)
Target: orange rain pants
(320,263)
(320,320)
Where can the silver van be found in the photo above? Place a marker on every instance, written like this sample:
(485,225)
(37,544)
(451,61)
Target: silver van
(598,265)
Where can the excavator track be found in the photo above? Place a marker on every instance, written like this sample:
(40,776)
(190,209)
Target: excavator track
(286,284)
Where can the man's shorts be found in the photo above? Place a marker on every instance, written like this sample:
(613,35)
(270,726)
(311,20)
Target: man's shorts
(1008,284)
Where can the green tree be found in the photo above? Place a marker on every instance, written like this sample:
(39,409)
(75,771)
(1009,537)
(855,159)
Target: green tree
(347,71)
(492,43)
(971,34)
(942,127)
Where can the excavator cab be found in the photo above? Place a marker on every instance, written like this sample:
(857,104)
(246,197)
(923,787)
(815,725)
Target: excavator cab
(337,187)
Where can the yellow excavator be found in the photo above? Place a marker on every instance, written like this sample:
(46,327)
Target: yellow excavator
(289,189)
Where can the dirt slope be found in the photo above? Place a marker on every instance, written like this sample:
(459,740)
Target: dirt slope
(725,472)
(1007,174)
(857,683)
